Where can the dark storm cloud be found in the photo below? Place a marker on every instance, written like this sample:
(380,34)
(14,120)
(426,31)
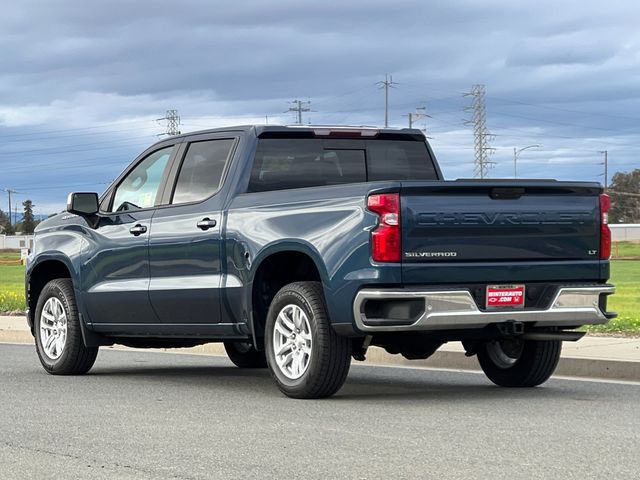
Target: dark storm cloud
(231,48)
(565,74)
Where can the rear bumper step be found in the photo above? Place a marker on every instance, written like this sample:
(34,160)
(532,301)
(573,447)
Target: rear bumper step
(388,310)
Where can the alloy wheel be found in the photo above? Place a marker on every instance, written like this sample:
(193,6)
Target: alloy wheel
(53,328)
(292,341)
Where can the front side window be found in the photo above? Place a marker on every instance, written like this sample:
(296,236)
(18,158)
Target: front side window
(201,171)
(140,187)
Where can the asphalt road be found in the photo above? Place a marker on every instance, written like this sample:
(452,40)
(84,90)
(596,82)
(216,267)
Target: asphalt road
(141,415)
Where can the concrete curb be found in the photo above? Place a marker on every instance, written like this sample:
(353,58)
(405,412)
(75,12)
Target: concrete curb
(568,367)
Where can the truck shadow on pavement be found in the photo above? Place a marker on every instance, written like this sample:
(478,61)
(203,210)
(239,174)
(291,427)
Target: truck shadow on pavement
(363,382)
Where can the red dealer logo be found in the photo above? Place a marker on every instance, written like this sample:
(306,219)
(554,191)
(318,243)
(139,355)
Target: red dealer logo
(505,296)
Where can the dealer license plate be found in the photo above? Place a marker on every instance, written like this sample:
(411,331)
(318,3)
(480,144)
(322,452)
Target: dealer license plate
(499,296)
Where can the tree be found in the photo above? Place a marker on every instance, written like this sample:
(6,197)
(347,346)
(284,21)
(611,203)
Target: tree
(5,224)
(625,197)
(28,221)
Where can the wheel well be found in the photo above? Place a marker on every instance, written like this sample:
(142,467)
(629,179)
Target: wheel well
(276,271)
(41,275)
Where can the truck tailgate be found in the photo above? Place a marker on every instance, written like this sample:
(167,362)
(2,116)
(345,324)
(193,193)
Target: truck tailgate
(499,221)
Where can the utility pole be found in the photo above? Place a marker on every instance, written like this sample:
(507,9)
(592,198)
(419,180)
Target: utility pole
(386,84)
(606,168)
(480,132)
(416,116)
(516,153)
(173,123)
(9,191)
(299,106)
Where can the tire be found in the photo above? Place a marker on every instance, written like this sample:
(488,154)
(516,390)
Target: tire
(519,363)
(58,334)
(245,355)
(322,363)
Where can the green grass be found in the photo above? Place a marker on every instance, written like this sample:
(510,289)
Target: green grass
(625,275)
(9,255)
(625,249)
(11,284)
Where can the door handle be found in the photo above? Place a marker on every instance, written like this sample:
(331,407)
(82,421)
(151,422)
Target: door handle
(137,230)
(206,224)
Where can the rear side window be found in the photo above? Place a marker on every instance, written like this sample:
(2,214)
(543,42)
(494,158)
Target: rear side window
(281,164)
(201,171)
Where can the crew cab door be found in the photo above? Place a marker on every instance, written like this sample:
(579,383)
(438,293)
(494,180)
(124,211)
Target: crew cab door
(185,241)
(115,271)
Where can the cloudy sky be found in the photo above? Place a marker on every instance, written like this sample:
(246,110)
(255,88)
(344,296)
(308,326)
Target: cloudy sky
(82,83)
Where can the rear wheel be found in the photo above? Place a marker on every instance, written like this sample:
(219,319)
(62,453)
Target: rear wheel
(58,334)
(306,357)
(245,355)
(513,362)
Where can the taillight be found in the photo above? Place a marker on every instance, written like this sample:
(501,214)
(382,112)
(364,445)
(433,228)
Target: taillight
(605,231)
(385,239)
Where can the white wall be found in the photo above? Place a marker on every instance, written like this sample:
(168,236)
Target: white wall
(625,231)
(16,241)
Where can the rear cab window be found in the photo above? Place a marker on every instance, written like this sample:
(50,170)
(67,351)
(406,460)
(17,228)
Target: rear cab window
(287,163)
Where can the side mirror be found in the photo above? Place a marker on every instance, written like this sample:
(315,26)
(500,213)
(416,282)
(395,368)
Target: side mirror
(83,204)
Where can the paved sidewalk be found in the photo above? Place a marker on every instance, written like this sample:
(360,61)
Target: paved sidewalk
(591,347)
(592,356)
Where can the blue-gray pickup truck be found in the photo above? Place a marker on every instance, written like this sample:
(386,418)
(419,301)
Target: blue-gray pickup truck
(301,247)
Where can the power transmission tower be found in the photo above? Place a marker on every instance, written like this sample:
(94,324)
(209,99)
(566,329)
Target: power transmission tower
(173,123)
(386,84)
(606,168)
(416,116)
(299,106)
(480,132)
(9,191)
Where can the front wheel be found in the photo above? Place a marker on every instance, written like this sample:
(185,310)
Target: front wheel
(58,333)
(519,363)
(306,357)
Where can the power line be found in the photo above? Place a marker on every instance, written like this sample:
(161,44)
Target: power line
(63,148)
(553,107)
(387,83)
(80,162)
(52,151)
(564,124)
(13,135)
(324,100)
(73,135)
(53,187)
(480,132)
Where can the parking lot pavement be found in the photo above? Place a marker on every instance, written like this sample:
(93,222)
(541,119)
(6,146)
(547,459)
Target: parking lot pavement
(162,415)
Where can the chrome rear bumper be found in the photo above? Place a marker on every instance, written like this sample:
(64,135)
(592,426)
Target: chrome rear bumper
(455,309)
